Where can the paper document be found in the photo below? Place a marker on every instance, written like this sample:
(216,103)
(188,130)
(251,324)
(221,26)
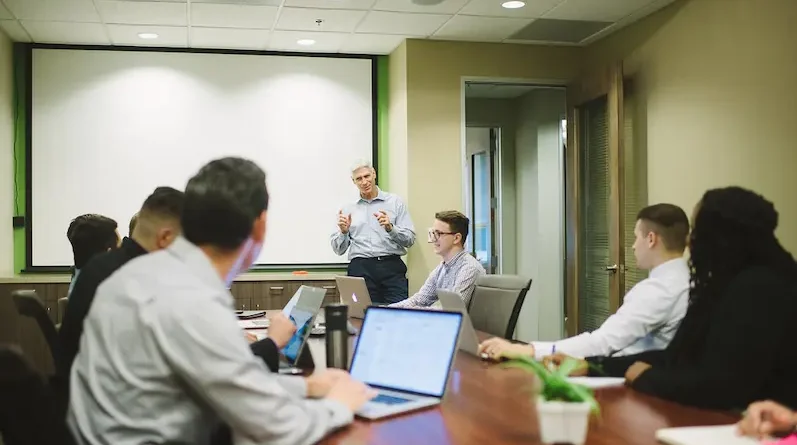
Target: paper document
(598,382)
(704,435)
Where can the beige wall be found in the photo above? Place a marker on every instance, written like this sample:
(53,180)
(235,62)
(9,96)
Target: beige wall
(717,80)
(6,156)
(435,71)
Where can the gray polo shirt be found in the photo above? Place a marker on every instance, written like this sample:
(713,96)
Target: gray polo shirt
(163,360)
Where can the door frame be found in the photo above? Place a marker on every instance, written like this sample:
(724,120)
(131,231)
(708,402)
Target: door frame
(607,81)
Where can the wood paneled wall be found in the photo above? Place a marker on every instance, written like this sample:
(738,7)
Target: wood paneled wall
(249,295)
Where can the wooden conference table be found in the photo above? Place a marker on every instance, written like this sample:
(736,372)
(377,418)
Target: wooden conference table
(487,404)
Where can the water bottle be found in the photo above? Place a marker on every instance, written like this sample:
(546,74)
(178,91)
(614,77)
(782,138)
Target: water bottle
(336,318)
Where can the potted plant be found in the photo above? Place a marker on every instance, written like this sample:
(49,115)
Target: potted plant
(563,408)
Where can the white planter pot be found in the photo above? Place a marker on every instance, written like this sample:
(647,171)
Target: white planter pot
(563,422)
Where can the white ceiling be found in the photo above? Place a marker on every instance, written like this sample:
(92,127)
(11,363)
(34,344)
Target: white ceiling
(349,26)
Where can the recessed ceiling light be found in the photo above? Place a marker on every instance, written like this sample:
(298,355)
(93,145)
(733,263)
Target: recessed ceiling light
(147,35)
(306,42)
(513,4)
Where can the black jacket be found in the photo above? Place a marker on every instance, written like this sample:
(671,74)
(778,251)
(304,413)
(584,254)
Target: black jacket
(746,352)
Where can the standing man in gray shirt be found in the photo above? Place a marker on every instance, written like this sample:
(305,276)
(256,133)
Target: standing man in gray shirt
(377,231)
(162,358)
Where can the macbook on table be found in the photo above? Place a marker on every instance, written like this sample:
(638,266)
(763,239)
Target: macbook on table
(406,355)
(451,301)
(354,294)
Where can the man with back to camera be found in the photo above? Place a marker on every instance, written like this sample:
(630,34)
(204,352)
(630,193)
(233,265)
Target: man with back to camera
(162,358)
(90,235)
(457,272)
(377,231)
(154,227)
(651,311)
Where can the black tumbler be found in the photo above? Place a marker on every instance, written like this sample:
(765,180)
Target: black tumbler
(336,320)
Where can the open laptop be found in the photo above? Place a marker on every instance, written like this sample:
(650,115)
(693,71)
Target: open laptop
(451,301)
(296,356)
(354,294)
(406,355)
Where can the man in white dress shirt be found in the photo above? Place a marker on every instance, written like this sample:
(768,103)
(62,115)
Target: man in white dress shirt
(162,358)
(651,311)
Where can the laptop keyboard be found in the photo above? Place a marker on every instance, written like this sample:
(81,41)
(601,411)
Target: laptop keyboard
(388,400)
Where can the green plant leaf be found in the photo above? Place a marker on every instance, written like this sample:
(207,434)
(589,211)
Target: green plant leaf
(555,385)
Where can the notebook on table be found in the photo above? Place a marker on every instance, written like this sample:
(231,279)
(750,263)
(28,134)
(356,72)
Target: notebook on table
(704,435)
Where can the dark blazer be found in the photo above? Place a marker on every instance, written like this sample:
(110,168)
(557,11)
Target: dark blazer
(745,348)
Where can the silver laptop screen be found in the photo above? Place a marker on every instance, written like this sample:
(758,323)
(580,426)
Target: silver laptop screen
(406,349)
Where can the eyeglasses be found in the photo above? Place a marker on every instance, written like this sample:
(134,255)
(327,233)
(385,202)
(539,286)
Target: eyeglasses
(435,235)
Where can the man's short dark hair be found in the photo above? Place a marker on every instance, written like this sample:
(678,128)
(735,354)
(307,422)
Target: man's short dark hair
(89,235)
(164,202)
(457,222)
(222,202)
(669,222)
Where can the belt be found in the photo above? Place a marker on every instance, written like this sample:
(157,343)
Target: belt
(378,258)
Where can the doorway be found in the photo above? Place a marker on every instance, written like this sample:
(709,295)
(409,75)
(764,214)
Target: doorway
(606,177)
(513,192)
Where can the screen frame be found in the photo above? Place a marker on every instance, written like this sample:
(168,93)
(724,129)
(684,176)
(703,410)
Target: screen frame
(309,327)
(25,53)
(451,359)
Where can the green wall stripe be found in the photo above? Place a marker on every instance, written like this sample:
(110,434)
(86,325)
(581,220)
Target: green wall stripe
(21,55)
(382,107)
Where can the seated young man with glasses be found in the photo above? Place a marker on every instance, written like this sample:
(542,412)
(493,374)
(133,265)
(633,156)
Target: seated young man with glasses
(459,270)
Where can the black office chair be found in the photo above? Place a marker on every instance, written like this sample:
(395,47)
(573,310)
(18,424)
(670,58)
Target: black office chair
(28,412)
(29,305)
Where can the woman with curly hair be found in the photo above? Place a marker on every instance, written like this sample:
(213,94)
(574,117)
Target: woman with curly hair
(736,342)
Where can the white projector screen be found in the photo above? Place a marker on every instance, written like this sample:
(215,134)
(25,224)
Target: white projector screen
(109,126)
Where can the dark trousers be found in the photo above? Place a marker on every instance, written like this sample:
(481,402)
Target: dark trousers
(386,277)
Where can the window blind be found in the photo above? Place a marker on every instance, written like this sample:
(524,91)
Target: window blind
(635,193)
(593,298)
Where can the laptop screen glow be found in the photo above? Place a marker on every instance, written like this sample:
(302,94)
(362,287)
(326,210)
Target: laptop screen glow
(407,350)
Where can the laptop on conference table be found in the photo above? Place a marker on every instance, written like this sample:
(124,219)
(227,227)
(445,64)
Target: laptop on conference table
(468,341)
(354,294)
(406,355)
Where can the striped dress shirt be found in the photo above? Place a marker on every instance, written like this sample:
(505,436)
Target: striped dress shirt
(459,275)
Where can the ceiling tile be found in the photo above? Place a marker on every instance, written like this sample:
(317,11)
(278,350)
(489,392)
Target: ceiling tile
(463,27)
(5,14)
(602,11)
(493,8)
(233,16)
(14,30)
(229,38)
(54,10)
(332,4)
(648,9)
(159,1)
(241,2)
(372,43)
(446,7)
(63,32)
(560,31)
(378,22)
(334,20)
(143,13)
(324,41)
(168,36)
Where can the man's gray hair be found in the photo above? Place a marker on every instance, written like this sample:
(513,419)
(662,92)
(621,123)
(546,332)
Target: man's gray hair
(362,163)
